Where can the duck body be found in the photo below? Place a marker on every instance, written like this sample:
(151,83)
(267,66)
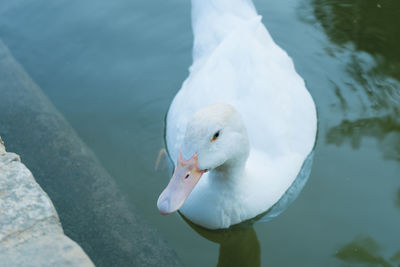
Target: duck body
(237,63)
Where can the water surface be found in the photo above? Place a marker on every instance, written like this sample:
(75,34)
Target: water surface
(113,67)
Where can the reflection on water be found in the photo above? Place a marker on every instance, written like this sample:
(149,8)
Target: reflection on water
(372,26)
(239,245)
(368,32)
(385,129)
(396,258)
(366,250)
(367,37)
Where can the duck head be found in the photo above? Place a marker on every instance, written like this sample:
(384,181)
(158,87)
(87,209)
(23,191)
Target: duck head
(215,138)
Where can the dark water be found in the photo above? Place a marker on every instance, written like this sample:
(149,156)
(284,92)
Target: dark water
(113,67)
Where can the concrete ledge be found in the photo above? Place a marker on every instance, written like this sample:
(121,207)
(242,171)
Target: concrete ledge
(91,208)
(30,231)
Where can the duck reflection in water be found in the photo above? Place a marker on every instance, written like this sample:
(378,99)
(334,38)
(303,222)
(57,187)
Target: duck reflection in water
(239,245)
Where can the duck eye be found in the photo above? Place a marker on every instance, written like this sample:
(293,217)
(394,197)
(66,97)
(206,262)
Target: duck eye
(215,136)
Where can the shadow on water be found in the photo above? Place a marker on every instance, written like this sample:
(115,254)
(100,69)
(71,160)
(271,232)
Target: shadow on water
(365,250)
(239,245)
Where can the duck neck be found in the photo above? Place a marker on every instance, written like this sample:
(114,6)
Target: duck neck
(231,172)
(213,20)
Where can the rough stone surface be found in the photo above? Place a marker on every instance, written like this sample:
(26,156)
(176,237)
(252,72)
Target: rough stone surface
(49,250)
(30,231)
(92,210)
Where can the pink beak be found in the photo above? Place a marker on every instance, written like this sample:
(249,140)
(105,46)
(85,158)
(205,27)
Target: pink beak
(184,179)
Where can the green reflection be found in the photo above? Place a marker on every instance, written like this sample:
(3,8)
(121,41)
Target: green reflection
(365,250)
(239,245)
(372,26)
(385,129)
(396,257)
(367,39)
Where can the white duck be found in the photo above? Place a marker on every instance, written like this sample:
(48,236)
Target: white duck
(242,124)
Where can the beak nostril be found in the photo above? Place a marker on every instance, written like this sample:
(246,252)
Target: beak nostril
(187,176)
